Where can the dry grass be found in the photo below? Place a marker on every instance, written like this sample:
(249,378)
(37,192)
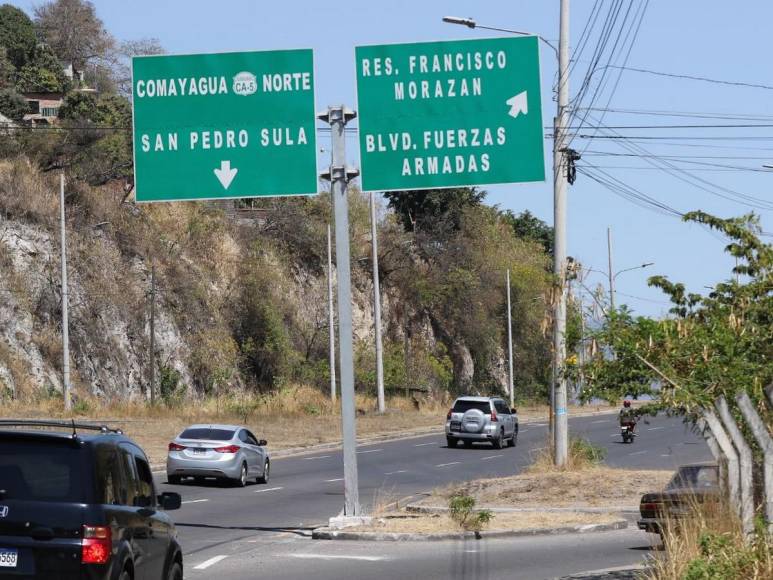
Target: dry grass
(593,487)
(709,544)
(428,524)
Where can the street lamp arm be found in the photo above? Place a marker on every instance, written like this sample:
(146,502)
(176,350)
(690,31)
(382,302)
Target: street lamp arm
(471,23)
(645,265)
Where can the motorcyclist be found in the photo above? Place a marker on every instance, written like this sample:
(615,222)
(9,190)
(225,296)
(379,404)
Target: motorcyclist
(628,416)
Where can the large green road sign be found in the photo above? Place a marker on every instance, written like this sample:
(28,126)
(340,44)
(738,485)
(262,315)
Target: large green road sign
(210,126)
(446,114)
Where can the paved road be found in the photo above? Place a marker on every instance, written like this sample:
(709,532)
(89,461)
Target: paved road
(239,532)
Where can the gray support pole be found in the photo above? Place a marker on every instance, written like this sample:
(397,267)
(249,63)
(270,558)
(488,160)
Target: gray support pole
(65,304)
(331,317)
(561,424)
(611,274)
(339,177)
(765,441)
(510,344)
(746,465)
(153,332)
(377,309)
(726,446)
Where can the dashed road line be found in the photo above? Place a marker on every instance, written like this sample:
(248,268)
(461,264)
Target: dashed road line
(394,472)
(655,428)
(369,451)
(447,464)
(600,421)
(318,457)
(332,480)
(491,457)
(337,557)
(423,444)
(268,489)
(195,501)
(211,562)
(638,452)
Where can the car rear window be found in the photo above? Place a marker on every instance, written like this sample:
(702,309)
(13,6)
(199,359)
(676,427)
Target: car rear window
(205,433)
(42,471)
(694,478)
(464,406)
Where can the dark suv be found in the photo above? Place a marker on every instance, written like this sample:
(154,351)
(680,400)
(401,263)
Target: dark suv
(75,505)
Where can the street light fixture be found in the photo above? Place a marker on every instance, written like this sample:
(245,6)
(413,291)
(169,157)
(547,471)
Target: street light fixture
(768,166)
(471,23)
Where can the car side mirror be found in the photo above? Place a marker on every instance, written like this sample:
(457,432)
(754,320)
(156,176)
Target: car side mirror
(262,442)
(514,411)
(170,500)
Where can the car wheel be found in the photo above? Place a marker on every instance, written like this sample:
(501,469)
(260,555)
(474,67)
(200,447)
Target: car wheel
(173,479)
(241,481)
(266,472)
(451,442)
(497,443)
(511,441)
(175,572)
(125,575)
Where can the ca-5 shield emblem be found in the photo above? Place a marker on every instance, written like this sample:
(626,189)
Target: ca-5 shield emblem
(3,511)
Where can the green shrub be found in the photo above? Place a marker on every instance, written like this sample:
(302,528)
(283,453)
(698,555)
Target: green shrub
(584,452)
(462,511)
(170,390)
(722,558)
(82,407)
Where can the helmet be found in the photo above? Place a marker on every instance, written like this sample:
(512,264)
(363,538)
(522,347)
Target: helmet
(626,403)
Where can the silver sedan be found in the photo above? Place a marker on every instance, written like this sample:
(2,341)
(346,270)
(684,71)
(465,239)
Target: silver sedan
(229,452)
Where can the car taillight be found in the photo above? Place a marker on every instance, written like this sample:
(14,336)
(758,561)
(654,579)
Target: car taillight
(176,446)
(494,416)
(449,413)
(650,506)
(96,545)
(228,449)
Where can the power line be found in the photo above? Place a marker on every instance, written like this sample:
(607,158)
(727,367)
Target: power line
(695,78)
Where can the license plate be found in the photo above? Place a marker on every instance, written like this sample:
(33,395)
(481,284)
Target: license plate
(456,426)
(199,451)
(8,557)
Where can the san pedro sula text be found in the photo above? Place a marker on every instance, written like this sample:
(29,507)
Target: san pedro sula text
(442,140)
(459,62)
(227,139)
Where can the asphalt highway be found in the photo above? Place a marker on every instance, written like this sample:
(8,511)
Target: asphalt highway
(263,530)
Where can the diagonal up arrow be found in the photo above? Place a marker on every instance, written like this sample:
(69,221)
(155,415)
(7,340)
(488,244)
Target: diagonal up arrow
(518,104)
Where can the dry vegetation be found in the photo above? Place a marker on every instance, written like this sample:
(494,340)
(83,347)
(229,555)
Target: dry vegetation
(429,524)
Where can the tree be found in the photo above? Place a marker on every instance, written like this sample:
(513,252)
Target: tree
(73,31)
(17,34)
(12,104)
(43,73)
(121,66)
(529,227)
(425,208)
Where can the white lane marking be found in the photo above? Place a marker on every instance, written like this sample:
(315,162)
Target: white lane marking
(393,472)
(423,444)
(331,557)
(195,501)
(638,452)
(447,464)
(332,480)
(371,451)
(665,455)
(268,489)
(491,457)
(318,457)
(211,562)
(539,424)
(655,428)
(600,421)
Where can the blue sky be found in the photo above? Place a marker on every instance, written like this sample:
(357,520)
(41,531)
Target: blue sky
(690,37)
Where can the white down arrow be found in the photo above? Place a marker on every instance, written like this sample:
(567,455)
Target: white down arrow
(225,174)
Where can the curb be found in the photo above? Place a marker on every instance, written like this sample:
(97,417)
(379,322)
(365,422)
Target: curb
(328,534)
(431,509)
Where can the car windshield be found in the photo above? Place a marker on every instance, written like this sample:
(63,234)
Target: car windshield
(207,433)
(464,406)
(695,477)
(39,470)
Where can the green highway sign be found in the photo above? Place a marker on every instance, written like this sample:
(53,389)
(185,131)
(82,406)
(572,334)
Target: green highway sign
(215,126)
(449,114)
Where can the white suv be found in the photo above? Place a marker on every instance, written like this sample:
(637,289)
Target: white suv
(481,419)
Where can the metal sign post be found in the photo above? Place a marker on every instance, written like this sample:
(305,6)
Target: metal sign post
(339,176)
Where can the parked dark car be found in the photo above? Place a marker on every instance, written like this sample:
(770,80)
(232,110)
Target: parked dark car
(81,505)
(691,485)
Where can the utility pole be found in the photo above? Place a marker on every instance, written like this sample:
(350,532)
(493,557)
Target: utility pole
(65,322)
(561,424)
(377,309)
(510,344)
(152,332)
(611,275)
(339,175)
(331,317)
